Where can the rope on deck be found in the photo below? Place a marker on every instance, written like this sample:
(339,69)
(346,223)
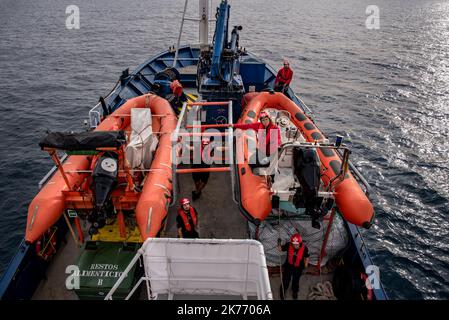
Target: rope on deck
(322,291)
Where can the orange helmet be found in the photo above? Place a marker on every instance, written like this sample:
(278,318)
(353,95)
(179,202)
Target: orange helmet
(184,201)
(296,239)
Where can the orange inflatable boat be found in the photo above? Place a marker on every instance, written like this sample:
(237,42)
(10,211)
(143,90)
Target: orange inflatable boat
(255,198)
(71,189)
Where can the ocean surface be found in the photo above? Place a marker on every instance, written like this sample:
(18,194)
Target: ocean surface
(386,90)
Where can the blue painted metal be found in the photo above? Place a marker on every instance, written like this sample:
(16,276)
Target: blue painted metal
(12,268)
(23,274)
(26,269)
(218,76)
(363,254)
(221,34)
(253,74)
(141,79)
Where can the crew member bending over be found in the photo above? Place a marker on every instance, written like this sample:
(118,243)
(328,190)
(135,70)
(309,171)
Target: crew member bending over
(177,97)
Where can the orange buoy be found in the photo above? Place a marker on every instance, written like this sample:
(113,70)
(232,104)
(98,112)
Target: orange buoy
(351,201)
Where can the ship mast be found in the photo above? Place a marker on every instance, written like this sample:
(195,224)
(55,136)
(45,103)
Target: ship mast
(203,22)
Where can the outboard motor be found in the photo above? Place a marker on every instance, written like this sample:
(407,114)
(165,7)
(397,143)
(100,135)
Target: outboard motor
(307,170)
(104,180)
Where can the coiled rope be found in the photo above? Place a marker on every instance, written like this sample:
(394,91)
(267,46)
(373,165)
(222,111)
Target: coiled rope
(322,291)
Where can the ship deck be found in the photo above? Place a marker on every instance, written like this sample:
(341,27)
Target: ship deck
(219,217)
(53,286)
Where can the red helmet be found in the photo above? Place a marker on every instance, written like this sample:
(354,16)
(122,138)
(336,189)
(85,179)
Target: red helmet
(205,141)
(184,201)
(296,239)
(263,114)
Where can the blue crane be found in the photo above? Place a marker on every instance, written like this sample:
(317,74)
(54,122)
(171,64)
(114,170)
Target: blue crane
(218,67)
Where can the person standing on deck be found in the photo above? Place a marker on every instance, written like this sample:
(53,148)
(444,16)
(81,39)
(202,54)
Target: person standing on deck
(200,178)
(187,220)
(297,260)
(283,78)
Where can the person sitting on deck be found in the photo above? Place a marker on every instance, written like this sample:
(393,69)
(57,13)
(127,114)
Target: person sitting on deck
(297,260)
(187,220)
(268,139)
(283,78)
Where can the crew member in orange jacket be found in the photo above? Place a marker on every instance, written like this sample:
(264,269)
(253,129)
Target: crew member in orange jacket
(178,97)
(187,220)
(283,78)
(297,260)
(268,135)
(266,131)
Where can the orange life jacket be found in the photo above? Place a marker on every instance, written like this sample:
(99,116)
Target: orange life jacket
(186,220)
(299,255)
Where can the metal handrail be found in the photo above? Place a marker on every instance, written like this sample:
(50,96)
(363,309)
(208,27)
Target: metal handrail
(95,116)
(175,137)
(262,289)
(315,145)
(304,105)
(231,150)
(177,134)
(359,175)
(96,112)
(352,168)
(51,172)
(223,291)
